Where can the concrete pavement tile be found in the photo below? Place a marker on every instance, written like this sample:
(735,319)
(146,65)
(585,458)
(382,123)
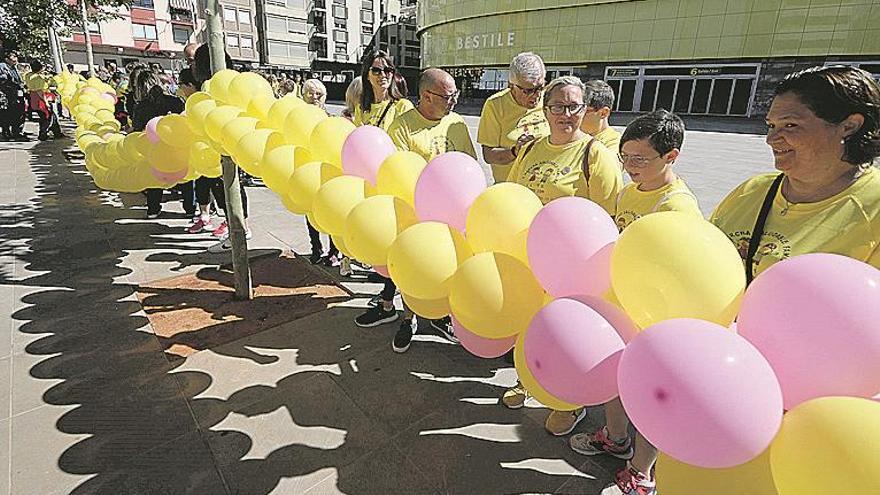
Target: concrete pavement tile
(35,448)
(4,456)
(27,391)
(489,449)
(592,477)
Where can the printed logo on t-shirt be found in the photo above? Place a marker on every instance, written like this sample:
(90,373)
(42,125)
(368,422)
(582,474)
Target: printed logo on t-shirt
(773,244)
(530,124)
(624,218)
(537,176)
(441,144)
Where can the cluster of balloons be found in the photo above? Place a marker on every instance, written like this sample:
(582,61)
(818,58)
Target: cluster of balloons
(646,315)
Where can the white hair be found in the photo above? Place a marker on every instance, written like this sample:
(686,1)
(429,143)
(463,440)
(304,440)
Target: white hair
(527,67)
(563,81)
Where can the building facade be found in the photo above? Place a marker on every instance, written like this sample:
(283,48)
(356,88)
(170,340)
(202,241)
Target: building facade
(240,31)
(284,31)
(696,57)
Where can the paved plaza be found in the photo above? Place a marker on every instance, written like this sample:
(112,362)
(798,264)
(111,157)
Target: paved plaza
(92,401)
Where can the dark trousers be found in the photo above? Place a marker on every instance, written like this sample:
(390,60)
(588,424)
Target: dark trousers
(205,187)
(12,117)
(154,200)
(315,241)
(49,122)
(187,196)
(388,290)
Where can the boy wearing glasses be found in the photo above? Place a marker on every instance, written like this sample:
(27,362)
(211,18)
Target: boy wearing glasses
(513,117)
(650,146)
(600,101)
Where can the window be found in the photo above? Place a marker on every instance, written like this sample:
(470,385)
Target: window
(229,14)
(367,5)
(296,26)
(181,34)
(339,23)
(143,31)
(296,4)
(232,40)
(247,43)
(244,17)
(742,91)
(366,29)
(683,96)
(144,4)
(340,36)
(275,24)
(287,50)
(367,16)
(720,96)
(340,12)
(366,39)
(341,48)
(278,3)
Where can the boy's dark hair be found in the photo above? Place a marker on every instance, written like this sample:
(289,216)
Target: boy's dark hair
(36,65)
(599,94)
(186,77)
(662,128)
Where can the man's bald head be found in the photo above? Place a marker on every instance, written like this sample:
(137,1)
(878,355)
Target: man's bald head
(437,93)
(434,79)
(189,51)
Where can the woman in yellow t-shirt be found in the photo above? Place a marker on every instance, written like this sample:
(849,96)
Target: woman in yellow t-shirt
(824,130)
(383,98)
(568,162)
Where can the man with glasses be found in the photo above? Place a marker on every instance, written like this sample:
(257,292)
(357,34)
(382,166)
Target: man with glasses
(513,117)
(600,101)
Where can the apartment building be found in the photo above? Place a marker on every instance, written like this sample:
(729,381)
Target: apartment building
(240,31)
(283,30)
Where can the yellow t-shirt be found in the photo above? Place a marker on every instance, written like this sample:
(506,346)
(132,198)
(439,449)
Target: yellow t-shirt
(429,138)
(503,121)
(553,171)
(633,203)
(610,138)
(372,116)
(37,82)
(847,223)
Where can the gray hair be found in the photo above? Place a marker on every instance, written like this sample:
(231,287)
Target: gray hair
(527,67)
(563,81)
(353,94)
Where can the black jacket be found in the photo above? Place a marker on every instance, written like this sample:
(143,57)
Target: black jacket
(155,105)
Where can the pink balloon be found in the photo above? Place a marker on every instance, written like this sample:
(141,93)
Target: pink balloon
(569,247)
(622,324)
(447,187)
(382,270)
(169,177)
(816,317)
(150,130)
(481,346)
(700,393)
(109,97)
(573,352)
(364,151)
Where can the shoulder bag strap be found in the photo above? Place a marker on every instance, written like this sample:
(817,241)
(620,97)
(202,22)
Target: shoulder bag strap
(384,112)
(758,231)
(585,165)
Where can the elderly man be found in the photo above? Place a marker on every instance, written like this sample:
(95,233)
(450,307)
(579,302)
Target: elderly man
(513,117)
(430,129)
(11,98)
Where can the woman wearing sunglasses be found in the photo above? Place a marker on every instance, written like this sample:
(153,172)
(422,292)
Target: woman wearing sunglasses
(382,99)
(568,162)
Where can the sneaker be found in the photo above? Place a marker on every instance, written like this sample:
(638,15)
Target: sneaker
(599,443)
(515,397)
(221,247)
(199,225)
(345,267)
(375,317)
(403,337)
(221,229)
(560,423)
(332,260)
(629,481)
(153,215)
(444,327)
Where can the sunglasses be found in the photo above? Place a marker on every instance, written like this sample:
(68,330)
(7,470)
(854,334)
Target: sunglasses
(530,91)
(377,71)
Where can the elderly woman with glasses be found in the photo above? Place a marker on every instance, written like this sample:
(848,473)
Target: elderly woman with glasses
(513,117)
(568,162)
(381,99)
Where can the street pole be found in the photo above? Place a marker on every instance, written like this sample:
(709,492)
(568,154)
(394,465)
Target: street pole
(90,56)
(234,209)
(56,54)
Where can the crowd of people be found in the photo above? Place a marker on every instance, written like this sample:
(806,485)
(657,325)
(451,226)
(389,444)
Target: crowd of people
(554,138)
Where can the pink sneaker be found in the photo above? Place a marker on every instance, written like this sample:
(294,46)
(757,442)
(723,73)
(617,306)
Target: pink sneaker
(632,482)
(199,226)
(221,230)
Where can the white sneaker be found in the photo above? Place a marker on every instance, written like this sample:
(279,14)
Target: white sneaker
(225,244)
(345,267)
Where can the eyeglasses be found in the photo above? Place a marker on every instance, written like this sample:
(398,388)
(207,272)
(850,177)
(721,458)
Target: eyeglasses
(529,91)
(448,98)
(376,71)
(636,160)
(572,109)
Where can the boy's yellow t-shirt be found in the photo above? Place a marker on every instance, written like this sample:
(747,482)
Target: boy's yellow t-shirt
(503,121)
(610,138)
(633,203)
(553,171)
(429,138)
(372,116)
(37,82)
(847,223)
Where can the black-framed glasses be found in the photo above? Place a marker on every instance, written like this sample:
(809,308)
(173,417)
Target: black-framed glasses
(529,91)
(636,160)
(377,71)
(559,109)
(448,98)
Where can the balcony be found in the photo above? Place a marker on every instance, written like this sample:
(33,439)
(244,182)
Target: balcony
(317,5)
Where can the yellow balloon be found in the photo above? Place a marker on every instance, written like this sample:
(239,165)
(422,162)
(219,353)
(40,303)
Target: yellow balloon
(217,118)
(676,265)
(398,175)
(233,131)
(328,137)
(194,99)
(129,149)
(219,84)
(204,160)
(499,219)
(251,148)
(260,104)
(339,242)
(280,109)
(495,295)
(299,124)
(143,145)
(86,141)
(304,184)
(84,109)
(335,199)
(278,165)
(677,478)
(424,257)
(174,130)
(432,309)
(528,380)
(372,226)
(168,159)
(197,113)
(828,445)
(104,115)
(245,87)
